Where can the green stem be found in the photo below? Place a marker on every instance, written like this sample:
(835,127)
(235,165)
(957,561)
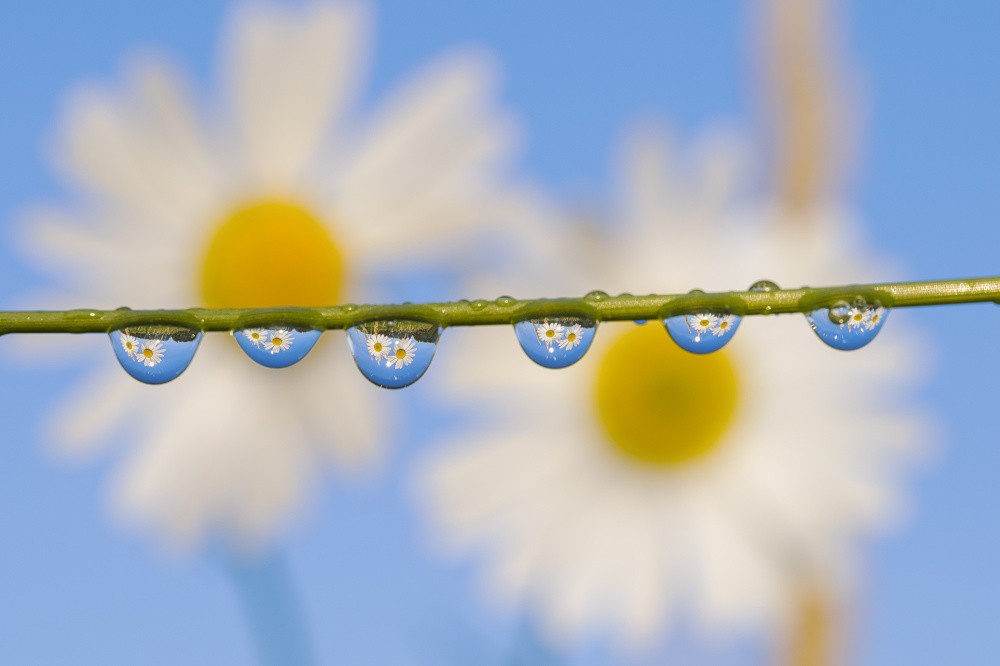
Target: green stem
(504,310)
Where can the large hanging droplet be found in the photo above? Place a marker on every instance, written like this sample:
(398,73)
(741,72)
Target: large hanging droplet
(556,342)
(848,326)
(393,354)
(276,347)
(702,332)
(155,354)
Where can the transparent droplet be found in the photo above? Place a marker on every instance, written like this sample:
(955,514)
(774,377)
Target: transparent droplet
(838,312)
(848,326)
(556,342)
(640,322)
(505,301)
(276,347)
(764,285)
(596,295)
(702,332)
(478,305)
(155,354)
(393,354)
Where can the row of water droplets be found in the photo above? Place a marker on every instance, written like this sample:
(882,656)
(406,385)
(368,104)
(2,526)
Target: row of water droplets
(394,354)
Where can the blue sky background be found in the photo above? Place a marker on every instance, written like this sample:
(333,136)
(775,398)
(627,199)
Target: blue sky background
(74,587)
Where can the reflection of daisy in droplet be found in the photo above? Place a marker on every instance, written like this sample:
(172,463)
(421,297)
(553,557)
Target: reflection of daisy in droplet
(255,335)
(724,325)
(150,353)
(129,344)
(378,346)
(673,485)
(571,337)
(875,318)
(858,318)
(278,341)
(549,333)
(403,354)
(702,323)
(292,175)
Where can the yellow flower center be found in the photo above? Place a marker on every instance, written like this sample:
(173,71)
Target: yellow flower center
(401,354)
(148,353)
(571,337)
(276,342)
(705,323)
(549,333)
(377,347)
(858,317)
(660,405)
(272,254)
(129,346)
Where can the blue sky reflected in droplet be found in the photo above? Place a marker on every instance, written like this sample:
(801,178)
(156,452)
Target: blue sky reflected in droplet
(155,356)
(276,347)
(860,326)
(555,343)
(393,354)
(702,332)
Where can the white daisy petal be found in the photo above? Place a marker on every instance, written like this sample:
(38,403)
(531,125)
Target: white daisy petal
(292,72)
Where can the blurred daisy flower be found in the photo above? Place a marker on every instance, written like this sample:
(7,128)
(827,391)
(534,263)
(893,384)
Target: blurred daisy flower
(181,207)
(661,484)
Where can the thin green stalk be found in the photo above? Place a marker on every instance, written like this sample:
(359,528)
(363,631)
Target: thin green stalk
(505,310)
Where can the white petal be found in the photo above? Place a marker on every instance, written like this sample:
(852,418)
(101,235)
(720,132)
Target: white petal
(292,73)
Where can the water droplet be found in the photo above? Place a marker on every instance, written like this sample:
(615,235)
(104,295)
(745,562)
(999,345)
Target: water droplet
(556,342)
(702,332)
(596,295)
(393,354)
(478,305)
(276,347)
(640,322)
(505,301)
(764,285)
(155,354)
(848,327)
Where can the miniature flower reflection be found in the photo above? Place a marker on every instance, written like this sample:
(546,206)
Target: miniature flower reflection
(130,345)
(378,346)
(406,351)
(278,340)
(549,333)
(724,325)
(703,323)
(572,337)
(150,353)
(255,335)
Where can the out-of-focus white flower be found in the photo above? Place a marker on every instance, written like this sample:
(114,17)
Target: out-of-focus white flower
(662,484)
(183,208)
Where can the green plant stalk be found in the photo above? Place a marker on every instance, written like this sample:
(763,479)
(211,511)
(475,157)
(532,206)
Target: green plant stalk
(505,310)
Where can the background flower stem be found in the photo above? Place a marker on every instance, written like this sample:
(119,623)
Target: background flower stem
(273,613)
